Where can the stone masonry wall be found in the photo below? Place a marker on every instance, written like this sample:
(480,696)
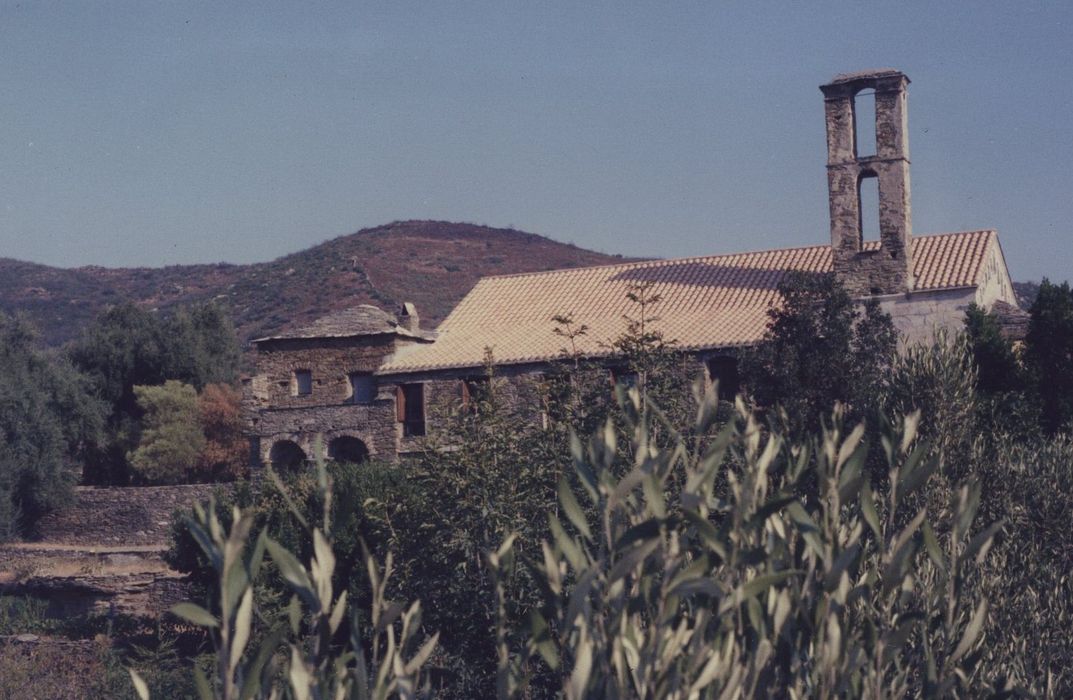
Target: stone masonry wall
(132,515)
(918,315)
(278,413)
(995,284)
(330,362)
(374,424)
(887,270)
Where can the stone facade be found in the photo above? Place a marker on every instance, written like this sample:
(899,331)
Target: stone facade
(919,315)
(279,412)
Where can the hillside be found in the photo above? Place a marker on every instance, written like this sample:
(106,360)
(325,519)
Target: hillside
(431,263)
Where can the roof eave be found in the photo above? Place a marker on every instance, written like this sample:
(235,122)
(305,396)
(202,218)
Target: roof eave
(426,336)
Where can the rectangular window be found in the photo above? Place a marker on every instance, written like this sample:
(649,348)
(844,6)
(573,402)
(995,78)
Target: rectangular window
(622,375)
(362,388)
(724,370)
(410,409)
(303,382)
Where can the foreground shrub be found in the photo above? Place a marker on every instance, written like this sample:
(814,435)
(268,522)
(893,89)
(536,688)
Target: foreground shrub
(939,379)
(1028,575)
(298,654)
(710,573)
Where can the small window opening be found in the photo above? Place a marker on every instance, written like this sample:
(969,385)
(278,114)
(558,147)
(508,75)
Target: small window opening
(303,382)
(868,207)
(864,123)
(410,409)
(622,375)
(723,371)
(362,388)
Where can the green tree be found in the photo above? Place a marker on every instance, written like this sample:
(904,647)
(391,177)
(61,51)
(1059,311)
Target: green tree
(121,349)
(171,439)
(487,469)
(1049,354)
(48,419)
(128,346)
(997,364)
(201,347)
(820,347)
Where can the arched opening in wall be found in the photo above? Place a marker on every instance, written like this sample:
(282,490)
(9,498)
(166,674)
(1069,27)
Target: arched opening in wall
(286,455)
(864,123)
(348,449)
(868,207)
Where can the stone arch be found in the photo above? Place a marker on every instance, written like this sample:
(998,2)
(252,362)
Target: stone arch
(286,454)
(347,448)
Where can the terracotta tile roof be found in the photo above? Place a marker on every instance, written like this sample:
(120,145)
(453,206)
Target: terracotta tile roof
(357,320)
(706,302)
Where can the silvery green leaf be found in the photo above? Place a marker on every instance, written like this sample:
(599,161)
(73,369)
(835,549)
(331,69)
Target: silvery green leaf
(139,685)
(195,614)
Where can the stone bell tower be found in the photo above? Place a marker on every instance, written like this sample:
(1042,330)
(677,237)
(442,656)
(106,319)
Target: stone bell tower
(888,269)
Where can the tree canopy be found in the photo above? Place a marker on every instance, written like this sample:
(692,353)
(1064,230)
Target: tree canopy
(171,440)
(1049,354)
(820,347)
(128,346)
(48,419)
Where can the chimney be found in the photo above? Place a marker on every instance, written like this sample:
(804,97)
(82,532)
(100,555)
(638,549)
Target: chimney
(408,317)
(888,269)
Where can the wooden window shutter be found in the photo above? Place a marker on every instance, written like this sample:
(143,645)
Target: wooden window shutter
(464,390)
(400,404)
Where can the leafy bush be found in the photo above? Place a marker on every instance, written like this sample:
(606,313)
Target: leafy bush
(171,440)
(999,369)
(820,348)
(248,659)
(127,346)
(225,454)
(939,379)
(1027,577)
(48,418)
(705,574)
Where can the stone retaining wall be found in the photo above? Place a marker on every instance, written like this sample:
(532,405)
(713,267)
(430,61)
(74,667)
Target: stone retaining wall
(129,515)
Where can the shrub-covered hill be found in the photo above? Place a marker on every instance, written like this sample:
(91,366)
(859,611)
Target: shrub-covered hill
(431,263)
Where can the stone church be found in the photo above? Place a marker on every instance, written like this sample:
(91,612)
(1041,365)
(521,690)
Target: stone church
(357,382)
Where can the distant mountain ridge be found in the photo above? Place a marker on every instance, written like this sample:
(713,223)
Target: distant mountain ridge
(431,263)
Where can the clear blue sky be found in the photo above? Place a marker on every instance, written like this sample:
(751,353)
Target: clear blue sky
(152,133)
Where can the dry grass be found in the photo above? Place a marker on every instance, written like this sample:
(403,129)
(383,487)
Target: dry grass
(56,670)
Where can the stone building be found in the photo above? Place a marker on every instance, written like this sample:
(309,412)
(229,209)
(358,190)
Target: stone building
(359,380)
(318,385)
